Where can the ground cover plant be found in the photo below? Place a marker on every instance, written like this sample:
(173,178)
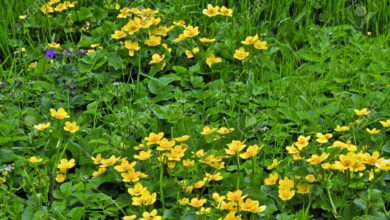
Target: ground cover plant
(194,110)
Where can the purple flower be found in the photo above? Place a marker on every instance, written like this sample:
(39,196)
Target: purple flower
(50,54)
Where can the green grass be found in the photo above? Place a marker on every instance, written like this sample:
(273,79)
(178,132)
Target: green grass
(320,65)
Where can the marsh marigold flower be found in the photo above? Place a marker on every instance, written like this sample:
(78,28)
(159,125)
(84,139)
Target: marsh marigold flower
(206,40)
(60,177)
(341,128)
(191,31)
(235,196)
(383,164)
(156,58)
(241,54)
(372,131)
(151,215)
(323,138)
(361,112)
(273,165)
(59,114)
(54,45)
(154,138)
(143,155)
(129,217)
(315,159)
(386,123)
(35,159)
(211,10)
(42,126)
(235,147)
(118,34)
(212,59)
(286,194)
(310,178)
(252,206)
(197,203)
(153,41)
(271,179)
(302,142)
(303,188)
(72,127)
(251,151)
(250,40)
(260,45)
(207,130)
(132,46)
(226,11)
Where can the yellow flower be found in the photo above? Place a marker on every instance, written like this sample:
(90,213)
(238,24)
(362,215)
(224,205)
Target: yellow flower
(118,34)
(349,146)
(179,23)
(341,128)
(224,130)
(303,188)
(212,59)
(59,114)
(143,155)
(371,159)
(346,161)
(241,54)
(199,153)
(131,27)
(132,46)
(204,211)
(100,171)
(235,196)
(184,201)
(156,58)
(234,147)
(218,198)
(108,162)
(286,194)
(214,177)
(372,131)
(151,215)
(60,7)
(362,112)
(211,11)
(315,159)
(386,123)
(153,41)
(60,177)
(165,144)
(310,178)
(252,206)
(206,40)
(250,40)
(226,11)
(188,162)
(137,190)
(260,45)
(182,138)
(292,150)
(22,17)
(154,138)
(97,159)
(273,165)
(71,127)
(54,45)
(129,217)
(66,165)
(123,167)
(302,142)
(207,130)
(383,165)
(46,8)
(189,54)
(191,31)
(181,37)
(42,126)
(271,179)
(195,50)
(35,159)
(197,203)
(286,183)
(251,151)
(323,138)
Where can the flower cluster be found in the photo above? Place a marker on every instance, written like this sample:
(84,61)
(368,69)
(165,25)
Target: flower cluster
(63,168)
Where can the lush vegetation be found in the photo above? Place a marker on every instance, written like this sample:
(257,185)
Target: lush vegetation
(194,110)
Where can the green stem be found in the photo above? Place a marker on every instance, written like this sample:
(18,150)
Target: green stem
(329,196)
(161,184)
(239,170)
(253,166)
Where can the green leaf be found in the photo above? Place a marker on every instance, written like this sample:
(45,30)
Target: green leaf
(77,213)
(115,61)
(360,203)
(83,14)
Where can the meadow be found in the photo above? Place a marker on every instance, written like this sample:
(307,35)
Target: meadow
(193,109)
